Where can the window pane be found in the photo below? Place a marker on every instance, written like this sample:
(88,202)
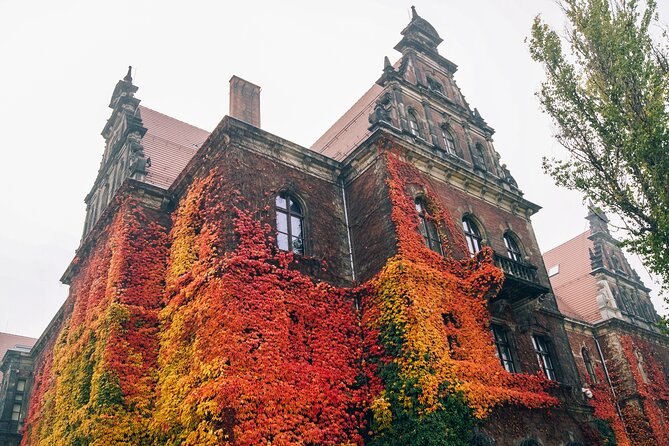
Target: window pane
(281,202)
(295,226)
(18,397)
(281,222)
(295,207)
(16,411)
(282,241)
(21,385)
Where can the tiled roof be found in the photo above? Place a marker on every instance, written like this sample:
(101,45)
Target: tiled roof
(10,341)
(574,287)
(349,130)
(170,144)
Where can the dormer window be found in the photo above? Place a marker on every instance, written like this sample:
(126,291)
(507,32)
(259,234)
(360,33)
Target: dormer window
(414,127)
(434,85)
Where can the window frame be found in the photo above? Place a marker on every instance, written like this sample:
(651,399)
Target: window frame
(589,365)
(289,213)
(414,124)
(473,235)
(500,335)
(543,350)
(427,226)
(448,140)
(513,248)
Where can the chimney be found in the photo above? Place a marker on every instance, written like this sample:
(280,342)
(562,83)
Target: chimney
(245,101)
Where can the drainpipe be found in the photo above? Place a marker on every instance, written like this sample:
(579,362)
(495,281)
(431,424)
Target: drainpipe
(608,380)
(348,232)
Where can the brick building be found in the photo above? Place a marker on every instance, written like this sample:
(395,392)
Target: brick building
(15,372)
(332,207)
(612,329)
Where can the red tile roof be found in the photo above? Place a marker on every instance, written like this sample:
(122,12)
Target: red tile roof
(170,144)
(349,130)
(574,287)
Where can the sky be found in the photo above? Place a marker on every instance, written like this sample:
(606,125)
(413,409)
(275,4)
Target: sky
(313,60)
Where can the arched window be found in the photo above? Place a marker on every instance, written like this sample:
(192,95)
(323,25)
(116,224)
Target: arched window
(512,249)
(448,141)
(289,224)
(481,439)
(530,442)
(427,227)
(472,235)
(414,127)
(589,366)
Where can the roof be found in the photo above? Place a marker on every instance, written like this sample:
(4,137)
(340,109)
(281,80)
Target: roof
(351,129)
(574,287)
(11,341)
(170,144)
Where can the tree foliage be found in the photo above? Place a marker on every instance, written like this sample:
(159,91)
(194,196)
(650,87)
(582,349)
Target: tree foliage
(607,92)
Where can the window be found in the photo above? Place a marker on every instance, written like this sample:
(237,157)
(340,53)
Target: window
(16,411)
(20,385)
(434,85)
(414,127)
(472,235)
(543,350)
(501,337)
(448,141)
(289,222)
(512,249)
(589,366)
(427,227)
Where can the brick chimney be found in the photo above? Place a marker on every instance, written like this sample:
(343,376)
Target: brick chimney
(245,101)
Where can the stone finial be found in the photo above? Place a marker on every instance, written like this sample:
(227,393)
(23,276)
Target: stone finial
(128,77)
(386,64)
(414,14)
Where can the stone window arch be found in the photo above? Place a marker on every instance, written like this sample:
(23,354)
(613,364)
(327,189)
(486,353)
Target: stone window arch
(289,223)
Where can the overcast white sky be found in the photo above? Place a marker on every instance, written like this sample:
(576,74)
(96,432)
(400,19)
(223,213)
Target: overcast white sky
(313,60)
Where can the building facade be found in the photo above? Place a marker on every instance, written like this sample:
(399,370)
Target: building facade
(382,287)
(621,354)
(16,367)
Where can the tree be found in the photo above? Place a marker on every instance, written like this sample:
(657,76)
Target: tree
(608,96)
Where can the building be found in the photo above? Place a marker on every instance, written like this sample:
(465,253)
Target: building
(383,286)
(613,332)
(15,376)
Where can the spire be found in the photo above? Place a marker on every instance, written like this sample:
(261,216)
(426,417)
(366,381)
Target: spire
(599,222)
(128,77)
(124,89)
(419,34)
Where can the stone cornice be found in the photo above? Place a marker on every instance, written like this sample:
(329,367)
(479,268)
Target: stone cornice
(233,132)
(616,325)
(446,171)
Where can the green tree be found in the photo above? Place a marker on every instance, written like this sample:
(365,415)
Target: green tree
(607,92)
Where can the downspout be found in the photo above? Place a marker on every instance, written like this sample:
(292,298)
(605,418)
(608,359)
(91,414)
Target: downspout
(608,380)
(348,232)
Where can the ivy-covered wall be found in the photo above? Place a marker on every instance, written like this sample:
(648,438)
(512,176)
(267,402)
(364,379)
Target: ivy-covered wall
(201,332)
